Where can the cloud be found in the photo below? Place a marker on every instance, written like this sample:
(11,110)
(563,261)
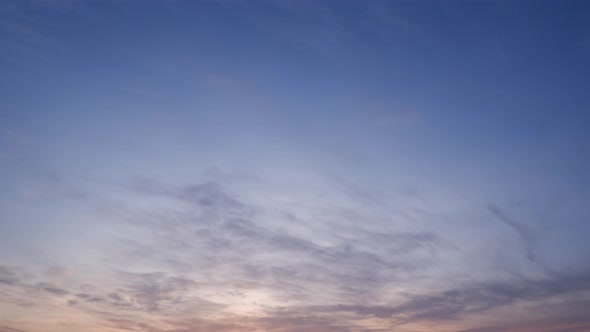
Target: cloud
(528,236)
(8,276)
(227,246)
(83,296)
(54,290)
(219,221)
(151,291)
(94,299)
(10,329)
(486,329)
(219,232)
(213,254)
(525,233)
(579,328)
(454,303)
(58,275)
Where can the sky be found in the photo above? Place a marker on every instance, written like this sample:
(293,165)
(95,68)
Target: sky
(294,166)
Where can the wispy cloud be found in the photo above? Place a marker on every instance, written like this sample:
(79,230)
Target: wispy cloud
(10,329)
(528,236)
(8,276)
(455,303)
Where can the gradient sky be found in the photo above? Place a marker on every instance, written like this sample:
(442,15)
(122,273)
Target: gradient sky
(294,166)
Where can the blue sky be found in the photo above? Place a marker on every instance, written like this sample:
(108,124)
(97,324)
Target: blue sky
(284,166)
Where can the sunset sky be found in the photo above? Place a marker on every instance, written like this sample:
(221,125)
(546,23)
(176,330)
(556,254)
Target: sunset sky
(294,166)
